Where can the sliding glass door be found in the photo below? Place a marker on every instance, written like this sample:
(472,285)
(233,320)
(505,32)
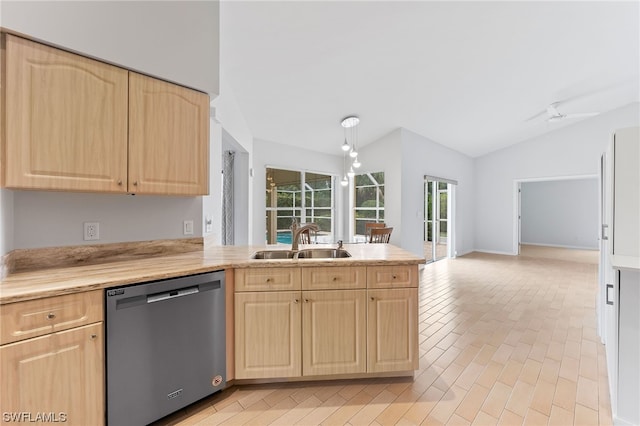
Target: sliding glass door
(438,220)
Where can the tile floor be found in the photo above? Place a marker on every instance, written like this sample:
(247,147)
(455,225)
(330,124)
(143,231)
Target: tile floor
(503,340)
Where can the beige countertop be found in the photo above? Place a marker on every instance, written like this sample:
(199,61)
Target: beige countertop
(57,281)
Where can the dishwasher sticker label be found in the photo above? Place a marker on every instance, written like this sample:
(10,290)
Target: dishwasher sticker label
(115,292)
(174,394)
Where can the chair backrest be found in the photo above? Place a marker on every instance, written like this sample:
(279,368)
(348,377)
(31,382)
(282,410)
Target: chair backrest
(380,235)
(305,236)
(368,226)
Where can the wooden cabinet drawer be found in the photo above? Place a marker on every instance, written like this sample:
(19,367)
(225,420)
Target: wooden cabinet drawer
(392,276)
(332,278)
(33,318)
(267,279)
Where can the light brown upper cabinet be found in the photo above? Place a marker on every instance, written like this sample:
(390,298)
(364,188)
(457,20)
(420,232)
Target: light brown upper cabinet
(77,124)
(168,138)
(66,120)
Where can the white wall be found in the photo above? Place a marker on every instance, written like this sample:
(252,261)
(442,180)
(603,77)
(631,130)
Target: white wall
(271,154)
(562,213)
(570,151)
(228,119)
(406,158)
(173,40)
(422,156)
(6,222)
(47,219)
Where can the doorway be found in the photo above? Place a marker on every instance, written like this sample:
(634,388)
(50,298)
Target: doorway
(439,203)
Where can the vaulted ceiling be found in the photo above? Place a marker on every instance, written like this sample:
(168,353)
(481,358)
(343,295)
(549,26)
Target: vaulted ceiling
(468,75)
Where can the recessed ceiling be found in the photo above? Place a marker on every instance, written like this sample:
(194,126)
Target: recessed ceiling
(467,75)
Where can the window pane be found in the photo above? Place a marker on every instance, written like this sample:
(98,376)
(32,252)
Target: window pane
(429,201)
(379,177)
(285,201)
(369,200)
(363,180)
(443,228)
(443,205)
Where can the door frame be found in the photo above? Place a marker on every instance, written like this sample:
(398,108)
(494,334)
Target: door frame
(517,183)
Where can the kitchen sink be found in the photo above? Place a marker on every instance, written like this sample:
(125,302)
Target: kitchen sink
(274,254)
(323,253)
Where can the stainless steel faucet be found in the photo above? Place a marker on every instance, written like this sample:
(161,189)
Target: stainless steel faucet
(296,230)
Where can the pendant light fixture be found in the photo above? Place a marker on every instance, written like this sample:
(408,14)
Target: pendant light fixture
(350,125)
(344,181)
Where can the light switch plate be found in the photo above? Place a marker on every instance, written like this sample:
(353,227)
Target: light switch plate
(187,227)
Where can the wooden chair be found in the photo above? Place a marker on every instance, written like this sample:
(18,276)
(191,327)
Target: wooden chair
(368,226)
(305,236)
(380,235)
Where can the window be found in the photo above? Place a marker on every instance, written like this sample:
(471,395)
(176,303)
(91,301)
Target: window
(303,196)
(369,201)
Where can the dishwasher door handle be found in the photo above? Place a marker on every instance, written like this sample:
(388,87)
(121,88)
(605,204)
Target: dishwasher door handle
(172,294)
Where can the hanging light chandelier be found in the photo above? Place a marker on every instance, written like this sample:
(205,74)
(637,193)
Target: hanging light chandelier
(350,145)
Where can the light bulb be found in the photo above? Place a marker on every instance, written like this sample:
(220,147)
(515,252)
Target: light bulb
(353,153)
(344,181)
(356,163)
(345,146)
(351,173)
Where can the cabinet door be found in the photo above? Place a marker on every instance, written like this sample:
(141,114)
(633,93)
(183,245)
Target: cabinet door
(168,138)
(626,196)
(392,328)
(66,120)
(59,375)
(267,335)
(333,332)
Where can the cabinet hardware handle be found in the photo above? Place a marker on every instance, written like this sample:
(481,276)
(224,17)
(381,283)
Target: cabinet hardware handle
(295,300)
(119,182)
(335,278)
(394,277)
(93,336)
(51,315)
(306,300)
(373,298)
(135,183)
(609,294)
(268,280)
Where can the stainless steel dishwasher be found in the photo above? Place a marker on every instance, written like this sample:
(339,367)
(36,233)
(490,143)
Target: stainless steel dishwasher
(165,346)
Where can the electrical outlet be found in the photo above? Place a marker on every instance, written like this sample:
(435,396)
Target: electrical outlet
(91,231)
(187,227)
(208,224)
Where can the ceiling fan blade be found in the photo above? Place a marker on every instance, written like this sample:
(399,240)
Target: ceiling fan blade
(561,117)
(581,114)
(552,111)
(540,114)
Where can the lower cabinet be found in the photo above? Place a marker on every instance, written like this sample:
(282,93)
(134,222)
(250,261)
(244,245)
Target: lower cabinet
(392,330)
(342,331)
(334,332)
(268,334)
(55,378)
